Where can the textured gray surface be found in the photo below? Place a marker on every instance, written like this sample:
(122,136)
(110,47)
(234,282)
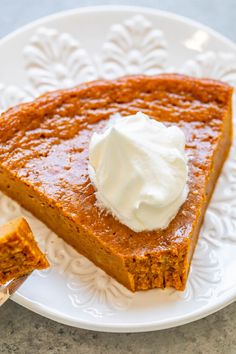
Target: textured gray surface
(22,331)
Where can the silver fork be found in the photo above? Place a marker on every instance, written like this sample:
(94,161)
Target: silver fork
(10,288)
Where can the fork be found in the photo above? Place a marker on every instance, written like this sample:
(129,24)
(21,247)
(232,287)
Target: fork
(11,287)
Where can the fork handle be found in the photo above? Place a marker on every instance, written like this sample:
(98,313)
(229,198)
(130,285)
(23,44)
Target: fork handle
(4,295)
(10,288)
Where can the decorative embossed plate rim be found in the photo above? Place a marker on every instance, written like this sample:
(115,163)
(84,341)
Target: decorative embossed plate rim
(169,43)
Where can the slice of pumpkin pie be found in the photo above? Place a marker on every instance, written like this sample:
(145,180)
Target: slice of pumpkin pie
(44,152)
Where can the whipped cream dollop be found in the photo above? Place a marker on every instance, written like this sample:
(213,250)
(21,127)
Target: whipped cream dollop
(139,170)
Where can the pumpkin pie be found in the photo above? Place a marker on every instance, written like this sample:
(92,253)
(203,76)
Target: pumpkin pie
(19,252)
(44,166)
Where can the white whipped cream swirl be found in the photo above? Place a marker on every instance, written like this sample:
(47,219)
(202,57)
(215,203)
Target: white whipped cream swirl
(139,170)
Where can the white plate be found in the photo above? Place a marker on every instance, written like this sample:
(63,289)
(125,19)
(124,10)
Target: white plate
(66,49)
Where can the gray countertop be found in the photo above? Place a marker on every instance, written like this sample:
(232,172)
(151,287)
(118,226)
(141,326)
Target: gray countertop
(22,331)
